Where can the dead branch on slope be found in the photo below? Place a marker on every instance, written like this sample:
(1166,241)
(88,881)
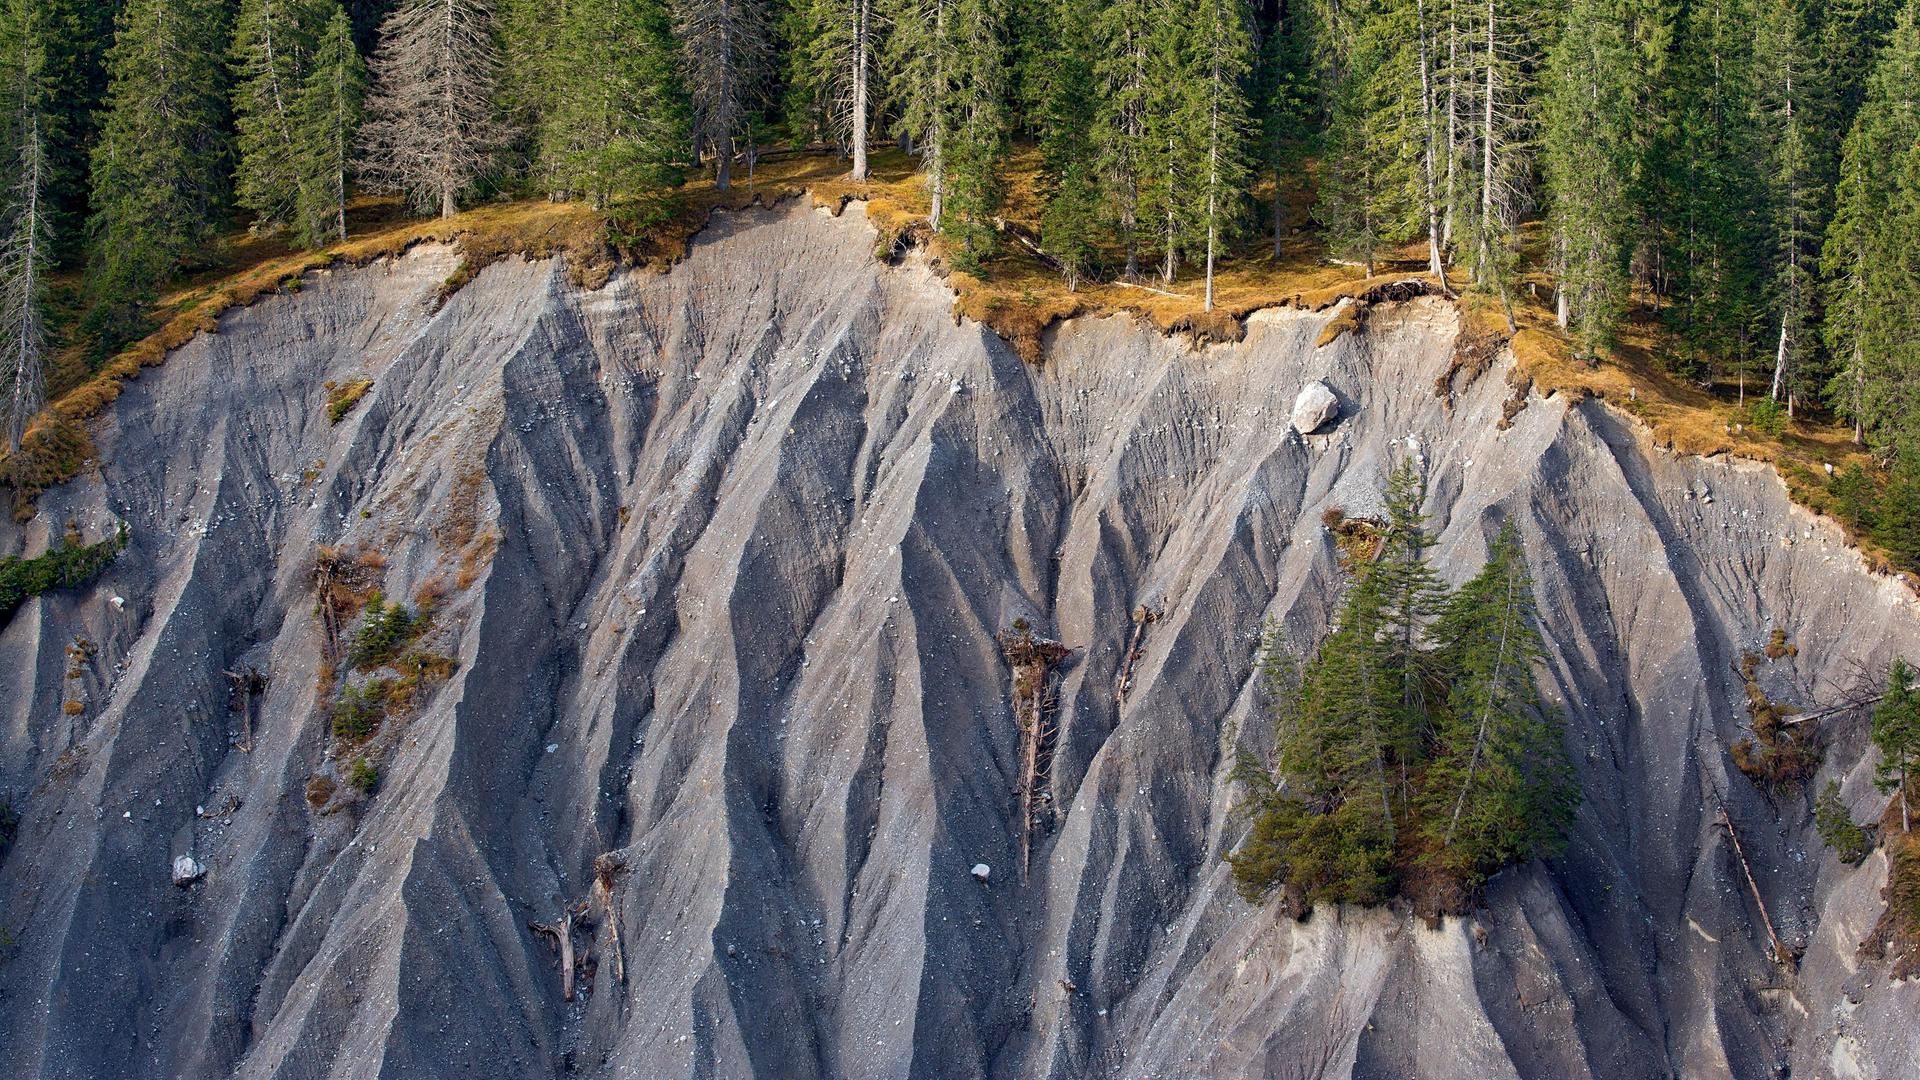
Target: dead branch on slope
(1032,659)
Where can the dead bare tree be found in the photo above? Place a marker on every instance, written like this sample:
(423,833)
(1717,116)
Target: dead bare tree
(561,931)
(606,873)
(431,130)
(725,48)
(1143,616)
(1033,660)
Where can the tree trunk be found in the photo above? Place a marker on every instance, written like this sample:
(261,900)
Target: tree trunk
(1427,138)
(722,167)
(860,47)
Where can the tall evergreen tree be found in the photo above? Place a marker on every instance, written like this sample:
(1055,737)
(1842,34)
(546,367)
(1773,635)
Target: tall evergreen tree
(1500,788)
(1712,189)
(273,43)
(431,131)
(1866,261)
(327,117)
(976,101)
(616,122)
(726,47)
(920,69)
(1589,162)
(1123,75)
(1223,63)
(1069,181)
(158,170)
(1790,107)
(1284,110)
(833,59)
(26,246)
(1367,183)
(1896,734)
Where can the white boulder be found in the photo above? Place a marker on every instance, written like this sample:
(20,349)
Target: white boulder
(1315,408)
(981,871)
(187,870)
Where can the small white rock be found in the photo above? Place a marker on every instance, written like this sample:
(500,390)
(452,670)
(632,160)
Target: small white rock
(187,870)
(981,871)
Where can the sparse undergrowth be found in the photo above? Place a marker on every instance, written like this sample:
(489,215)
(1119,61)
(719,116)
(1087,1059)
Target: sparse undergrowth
(1780,755)
(1850,841)
(342,397)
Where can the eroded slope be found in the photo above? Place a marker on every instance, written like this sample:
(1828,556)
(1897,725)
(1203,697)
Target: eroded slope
(726,552)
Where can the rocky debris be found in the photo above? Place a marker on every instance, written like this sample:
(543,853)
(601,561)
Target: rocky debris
(981,872)
(1314,408)
(791,722)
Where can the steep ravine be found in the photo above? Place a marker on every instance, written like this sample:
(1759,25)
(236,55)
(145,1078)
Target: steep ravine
(725,553)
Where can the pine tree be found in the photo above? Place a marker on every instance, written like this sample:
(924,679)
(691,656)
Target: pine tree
(1069,183)
(919,65)
(976,102)
(615,123)
(725,48)
(1223,62)
(1123,73)
(1896,734)
(1790,107)
(327,116)
(1864,259)
(1504,56)
(1284,111)
(431,132)
(833,64)
(1500,787)
(1711,187)
(26,245)
(157,170)
(1366,197)
(273,43)
(1589,162)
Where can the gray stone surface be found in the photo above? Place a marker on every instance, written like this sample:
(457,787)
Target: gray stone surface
(751,552)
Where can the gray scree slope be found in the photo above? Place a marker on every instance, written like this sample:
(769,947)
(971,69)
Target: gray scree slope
(758,522)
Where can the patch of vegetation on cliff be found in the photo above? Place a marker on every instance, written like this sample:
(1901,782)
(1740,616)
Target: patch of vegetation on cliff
(67,566)
(1415,756)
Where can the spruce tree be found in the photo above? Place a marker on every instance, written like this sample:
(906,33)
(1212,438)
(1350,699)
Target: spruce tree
(1712,187)
(616,123)
(1865,260)
(1588,160)
(832,63)
(1284,111)
(1123,74)
(726,47)
(1222,62)
(158,169)
(1069,184)
(431,132)
(978,126)
(26,229)
(1367,184)
(273,43)
(920,69)
(1790,111)
(1500,788)
(327,116)
(1896,734)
